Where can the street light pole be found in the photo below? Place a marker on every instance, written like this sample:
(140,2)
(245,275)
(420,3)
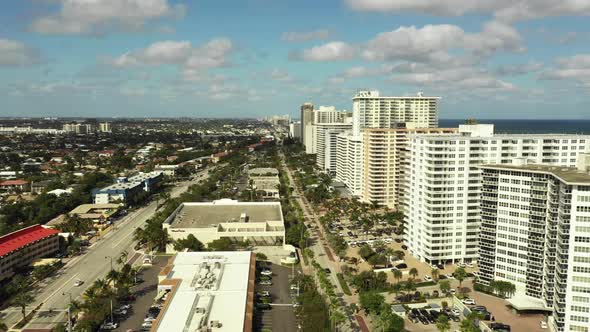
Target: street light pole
(111,261)
(69,312)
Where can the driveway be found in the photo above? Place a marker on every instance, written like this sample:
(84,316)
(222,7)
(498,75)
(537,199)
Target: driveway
(503,314)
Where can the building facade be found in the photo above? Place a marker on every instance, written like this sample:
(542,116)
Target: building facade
(535,233)
(260,223)
(444,184)
(370,110)
(385,160)
(306,121)
(349,162)
(326,144)
(21,248)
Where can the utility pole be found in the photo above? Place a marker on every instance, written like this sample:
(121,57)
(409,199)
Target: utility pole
(69,312)
(112,311)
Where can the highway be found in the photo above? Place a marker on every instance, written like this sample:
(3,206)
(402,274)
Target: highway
(54,294)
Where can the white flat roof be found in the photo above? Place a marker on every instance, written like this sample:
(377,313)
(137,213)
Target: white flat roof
(525,302)
(208,291)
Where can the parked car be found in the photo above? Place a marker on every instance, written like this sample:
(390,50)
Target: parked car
(402,266)
(125,306)
(266,272)
(266,283)
(468,301)
(120,312)
(499,327)
(109,326)
(263,293)
(263,306)
(147,324)
(428,278)
(327,270)
(544,324)
(405,247)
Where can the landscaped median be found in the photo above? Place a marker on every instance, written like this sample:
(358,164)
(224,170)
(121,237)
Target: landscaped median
(343,284)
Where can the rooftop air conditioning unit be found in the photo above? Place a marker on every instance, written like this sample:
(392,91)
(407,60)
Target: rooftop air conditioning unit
(215,323)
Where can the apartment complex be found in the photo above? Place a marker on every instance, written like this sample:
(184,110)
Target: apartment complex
(385,162)
(306,125)
(105,127)
(444,184)
(207,291)
(21,248)
(535,233)
(127,190)
(261,223)
(326,144)
(370,110)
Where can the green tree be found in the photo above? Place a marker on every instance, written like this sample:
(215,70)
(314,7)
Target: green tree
(413,272)
(443,324)
(22,299)
(190,242)
(397,274)
(460,274)
(222,244)
(365,252)
(371,301)
(445,286)
(435,274)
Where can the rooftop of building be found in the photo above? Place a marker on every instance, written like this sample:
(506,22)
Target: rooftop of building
(144,176)
(88,208)
(120,186)
(21,238)
(13,183)
(207,214)
(570,175)
(212,289)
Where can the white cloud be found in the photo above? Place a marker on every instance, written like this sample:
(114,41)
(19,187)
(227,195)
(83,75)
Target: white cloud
(281,75)
(518,69)
(575,68)
(506,10)
(430,43)
(298,36)
(331,51)
(14,53)
(194,61)
(102,16)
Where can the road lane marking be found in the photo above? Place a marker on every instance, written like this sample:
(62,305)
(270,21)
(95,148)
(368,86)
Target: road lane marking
(60,287)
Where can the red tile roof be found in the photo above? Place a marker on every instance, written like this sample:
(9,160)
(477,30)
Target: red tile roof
(16,240)
(14,183)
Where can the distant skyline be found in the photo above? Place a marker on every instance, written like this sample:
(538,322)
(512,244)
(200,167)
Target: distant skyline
(487,59)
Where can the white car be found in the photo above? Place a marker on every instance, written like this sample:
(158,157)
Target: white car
(147,324)
(78,283)
(109,326)
(149,319)
(428,278)
(449,276)
(468,301)
(266,283)
(456,312)
(453,291)
(266,272)
(544,324)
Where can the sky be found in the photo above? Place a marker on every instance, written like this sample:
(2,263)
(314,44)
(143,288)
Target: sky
(487,59)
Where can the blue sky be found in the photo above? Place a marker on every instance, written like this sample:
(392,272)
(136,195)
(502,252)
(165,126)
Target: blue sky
(251,58)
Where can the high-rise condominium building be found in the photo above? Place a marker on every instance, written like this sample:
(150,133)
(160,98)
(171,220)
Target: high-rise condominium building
(444,184)
(385,162)
(349,159)
(326,141)
(105,127)
(535,233)
(370,110)
(306,121)
(329,114)
(295,130)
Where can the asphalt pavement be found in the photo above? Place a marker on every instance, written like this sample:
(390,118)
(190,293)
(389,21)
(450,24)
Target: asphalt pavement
(52,296)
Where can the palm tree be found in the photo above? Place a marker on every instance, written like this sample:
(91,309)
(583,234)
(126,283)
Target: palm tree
(22,299)
(397,274)
(122,257)
(434,273)
(413,272)
(443,324)
(396,288)
(399,254)
(460,275)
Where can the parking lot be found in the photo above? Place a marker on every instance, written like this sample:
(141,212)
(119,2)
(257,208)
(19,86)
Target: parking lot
(525,322)
(279,314)
(145,293)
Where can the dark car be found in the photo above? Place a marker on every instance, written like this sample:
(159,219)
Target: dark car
(405,247)
(499,327)
(263,306)
(327,270)
(402,266)
(398,240)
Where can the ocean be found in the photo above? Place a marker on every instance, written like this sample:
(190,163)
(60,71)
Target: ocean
(528,126)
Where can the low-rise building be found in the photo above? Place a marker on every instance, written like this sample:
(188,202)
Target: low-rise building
(265,180)
(127,190)
(168,170)
(21,248)
(14,185)
(260,223)
(97,213)
(207,291)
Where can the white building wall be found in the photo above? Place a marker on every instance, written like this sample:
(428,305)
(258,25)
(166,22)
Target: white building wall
(443,185)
